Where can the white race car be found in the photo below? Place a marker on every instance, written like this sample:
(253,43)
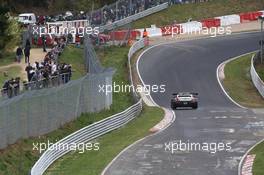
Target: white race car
(184,99)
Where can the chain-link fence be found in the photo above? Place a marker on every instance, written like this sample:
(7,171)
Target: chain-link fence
(92,63)
(120,10)
(37,112)
(42,109)
(124,8)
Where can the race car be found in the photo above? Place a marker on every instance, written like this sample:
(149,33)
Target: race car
(184,99)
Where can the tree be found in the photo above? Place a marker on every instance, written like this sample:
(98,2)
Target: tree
(3,27)
(10,31)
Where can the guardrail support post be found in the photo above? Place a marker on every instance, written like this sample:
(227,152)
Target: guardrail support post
(261,18)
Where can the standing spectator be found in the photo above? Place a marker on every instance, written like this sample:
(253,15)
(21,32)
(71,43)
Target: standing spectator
(27,53)
(19,54)
(28,69)
(44,42)
(16,86)
(28,43)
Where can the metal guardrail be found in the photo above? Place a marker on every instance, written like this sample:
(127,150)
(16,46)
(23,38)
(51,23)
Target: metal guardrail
(132,18)
(92,131)
(257,81)
(84,135)
(133,49)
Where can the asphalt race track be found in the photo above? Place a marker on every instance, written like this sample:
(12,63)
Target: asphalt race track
(191,66)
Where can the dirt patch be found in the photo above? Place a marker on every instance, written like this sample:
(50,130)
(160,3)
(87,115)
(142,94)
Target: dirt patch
(36,54)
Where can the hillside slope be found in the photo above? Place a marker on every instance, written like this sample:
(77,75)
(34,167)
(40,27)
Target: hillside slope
(181,13)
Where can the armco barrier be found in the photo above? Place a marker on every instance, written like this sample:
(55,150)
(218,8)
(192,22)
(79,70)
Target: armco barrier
(133,17)
(134,48)
(259,84)
(84,135)
(250,16)
(210,23)
(229,20)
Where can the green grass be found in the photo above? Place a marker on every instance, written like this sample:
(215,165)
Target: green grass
(8,58)
(198,11)
(8,73)
(17,159)
(259,160)
(238,83)
(74,56)
(93,162)
(260,70)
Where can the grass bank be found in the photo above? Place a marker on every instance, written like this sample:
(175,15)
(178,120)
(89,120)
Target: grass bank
(93,162)
(260,70)
(198,11)
(74,56)
(17,159)
(259,160)
(8,58)
(8,73)
(238,83)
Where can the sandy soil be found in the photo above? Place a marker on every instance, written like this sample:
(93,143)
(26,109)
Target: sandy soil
(36,54)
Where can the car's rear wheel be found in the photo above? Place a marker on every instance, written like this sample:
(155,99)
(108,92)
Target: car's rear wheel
(173,107)
(195,106)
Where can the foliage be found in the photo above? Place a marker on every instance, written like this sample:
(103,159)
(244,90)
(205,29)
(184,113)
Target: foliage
(10,31)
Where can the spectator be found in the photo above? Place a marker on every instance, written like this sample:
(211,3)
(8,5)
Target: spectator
(41,74)
(28,43)
(29,69)
(44,42)
(19,54)
(5,88)
(27,53)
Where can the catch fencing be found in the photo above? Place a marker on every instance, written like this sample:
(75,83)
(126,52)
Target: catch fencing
(257,81)
(120,10)
(134,17)
(40,111)
(53,81)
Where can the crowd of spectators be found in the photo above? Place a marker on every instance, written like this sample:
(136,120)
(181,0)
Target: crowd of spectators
(49,72)
(124,8)
(112,12)
(43,74)
(121,9)
(11,87)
